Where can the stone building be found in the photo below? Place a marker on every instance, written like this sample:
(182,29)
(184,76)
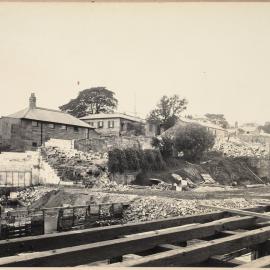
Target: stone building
(32,126)
(216,130)
(120,124)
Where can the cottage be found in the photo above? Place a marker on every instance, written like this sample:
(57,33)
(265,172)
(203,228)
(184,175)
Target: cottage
(216,130)
(31,127)
(120,124)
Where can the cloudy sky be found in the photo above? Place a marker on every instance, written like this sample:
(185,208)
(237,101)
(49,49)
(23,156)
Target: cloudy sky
(217,55)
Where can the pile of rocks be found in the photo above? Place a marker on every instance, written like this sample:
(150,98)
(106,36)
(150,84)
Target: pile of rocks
(238,148)
(29,195)
(152,208)
(161,186)
(74,165)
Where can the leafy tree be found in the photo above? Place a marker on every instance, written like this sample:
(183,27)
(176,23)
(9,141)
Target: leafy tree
(167,111)
(165,146)
(91,101)
(193,140)
(265,127)
(218,119)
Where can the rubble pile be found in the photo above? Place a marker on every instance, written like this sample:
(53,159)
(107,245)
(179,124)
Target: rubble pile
(235,147)
(151,208)
(161,186)
(74,165)
(29,195)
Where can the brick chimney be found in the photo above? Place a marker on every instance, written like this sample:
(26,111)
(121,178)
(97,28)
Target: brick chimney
(32,101)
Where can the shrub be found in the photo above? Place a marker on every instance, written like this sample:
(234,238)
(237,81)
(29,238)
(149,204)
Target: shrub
(132,159)
(135,159)
(165,146)
(193,140)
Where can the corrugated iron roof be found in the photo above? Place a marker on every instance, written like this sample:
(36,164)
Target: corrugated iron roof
(48,115)
(112,115)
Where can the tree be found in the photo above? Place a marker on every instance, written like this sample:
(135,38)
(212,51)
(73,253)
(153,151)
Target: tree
(91,101)
(265,127)
(167,111)
(217,119)
(165,146)
(193,140)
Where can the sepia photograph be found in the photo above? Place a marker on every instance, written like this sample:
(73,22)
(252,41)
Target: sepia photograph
(135,134)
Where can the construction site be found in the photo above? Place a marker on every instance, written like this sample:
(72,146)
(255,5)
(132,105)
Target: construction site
(62,207)
(134,134)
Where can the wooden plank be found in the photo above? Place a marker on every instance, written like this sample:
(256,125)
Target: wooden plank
(83,254)
(259,263)
(239,212)
(203,251)
(80,237)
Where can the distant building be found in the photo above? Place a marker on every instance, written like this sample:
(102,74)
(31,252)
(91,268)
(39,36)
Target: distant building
(216,130)
(120,124)
(31,127)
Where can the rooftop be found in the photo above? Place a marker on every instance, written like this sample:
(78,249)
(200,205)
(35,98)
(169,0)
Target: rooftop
(113,115)
(47,115)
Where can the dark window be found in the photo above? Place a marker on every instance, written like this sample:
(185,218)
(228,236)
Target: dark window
(51,125)
(34,144)
(76,129)
(34,123)
(91,124)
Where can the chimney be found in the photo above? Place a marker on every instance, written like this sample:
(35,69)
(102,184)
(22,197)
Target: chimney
(32,101)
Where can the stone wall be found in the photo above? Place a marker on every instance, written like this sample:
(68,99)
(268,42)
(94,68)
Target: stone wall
(20,135)
(255,138)
(103,144)
(10,135)
(261,167)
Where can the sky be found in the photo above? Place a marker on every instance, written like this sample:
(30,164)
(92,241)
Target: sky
(216,55)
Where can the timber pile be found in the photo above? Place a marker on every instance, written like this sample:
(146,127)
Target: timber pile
(223,237)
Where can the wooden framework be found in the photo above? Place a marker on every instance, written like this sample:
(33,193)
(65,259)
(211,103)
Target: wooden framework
(212,239)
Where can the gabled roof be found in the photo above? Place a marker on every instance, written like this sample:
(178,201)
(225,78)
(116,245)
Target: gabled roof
(171,131)
(202,123)
(48,115)
(112,115)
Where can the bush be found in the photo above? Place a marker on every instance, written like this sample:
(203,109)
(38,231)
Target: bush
(193,140)
(117,161)
(165,146)
(132,159)
(135,160)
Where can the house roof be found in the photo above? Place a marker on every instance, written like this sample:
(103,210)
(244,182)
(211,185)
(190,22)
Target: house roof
(171,131)
(203,123)
(112,115)
(48,115)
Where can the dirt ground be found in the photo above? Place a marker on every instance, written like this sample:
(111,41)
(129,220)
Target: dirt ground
(146,205)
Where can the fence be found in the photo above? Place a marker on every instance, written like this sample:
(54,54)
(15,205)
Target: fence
(19,223)
(16,178)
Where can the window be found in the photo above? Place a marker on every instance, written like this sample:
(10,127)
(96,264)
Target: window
(51,125)
(63,127)
(76,129)
(91,124)
(34,123)
(100,124)
(111,124)
(34,144)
